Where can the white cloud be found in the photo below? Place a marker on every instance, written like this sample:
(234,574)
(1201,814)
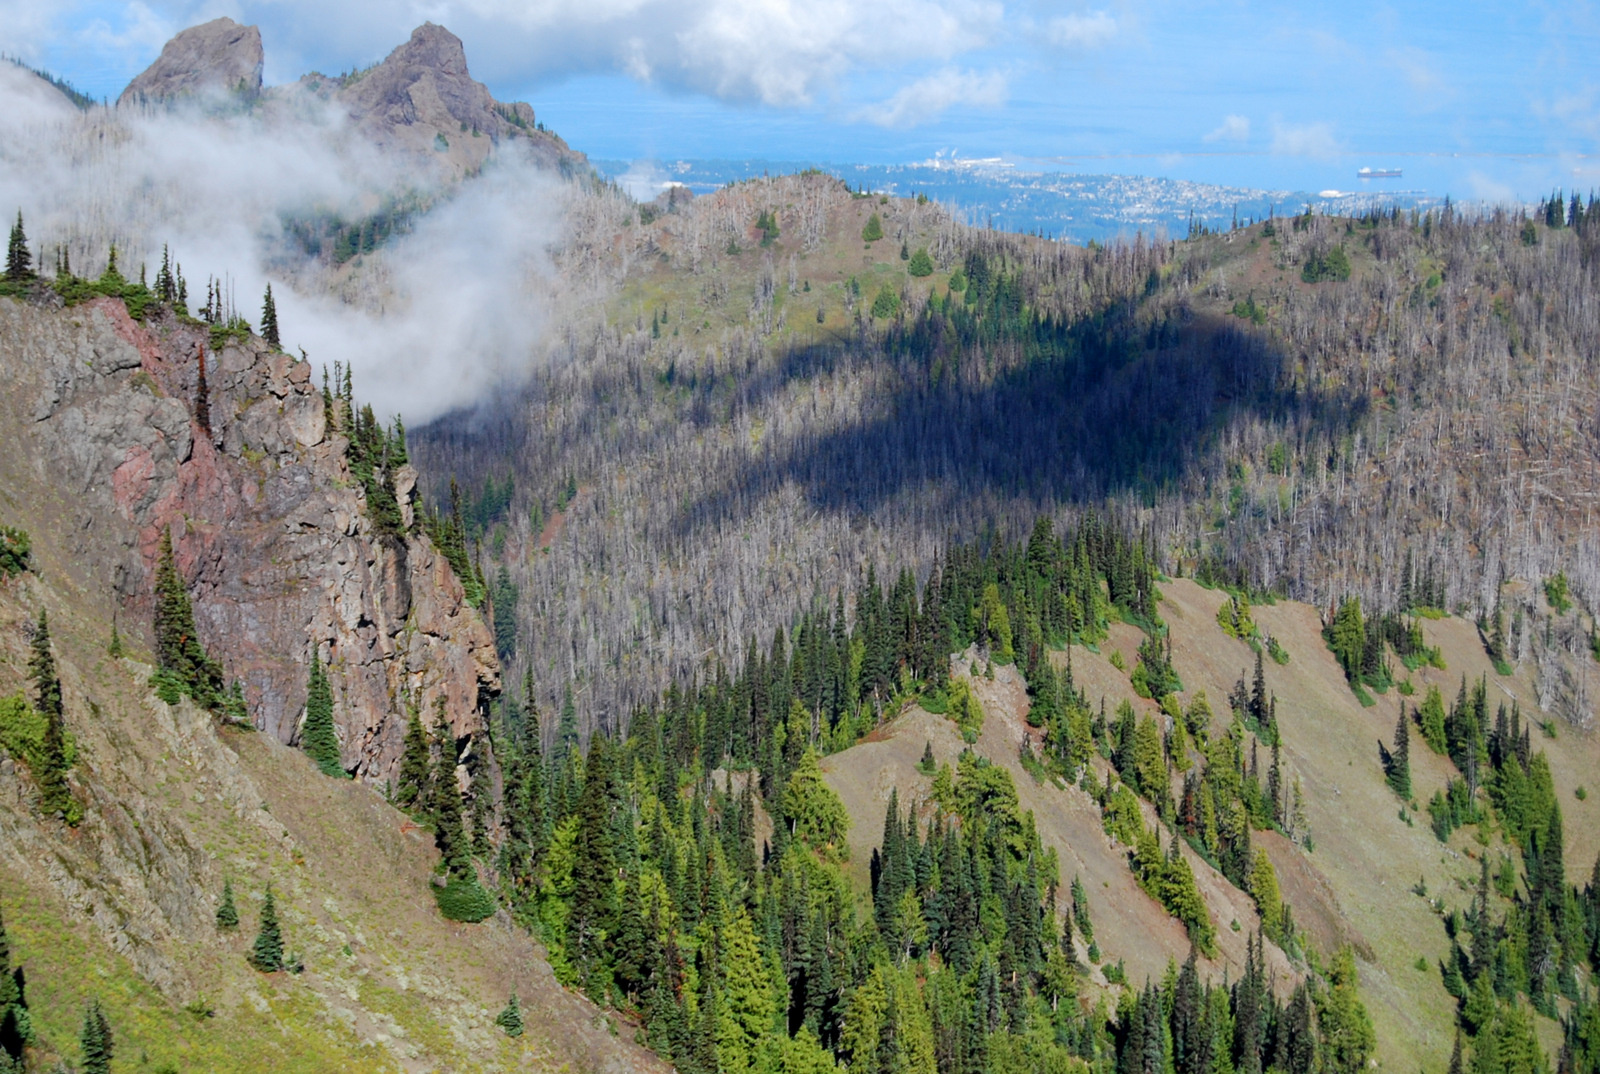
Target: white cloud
(777,52)
(142,30)
(1082,31)
(448,313)
(1310,140)
(26,26)
(928,98)
(1430,87)
(1233,129)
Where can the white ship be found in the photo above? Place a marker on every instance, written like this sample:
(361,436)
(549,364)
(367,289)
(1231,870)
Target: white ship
(1378,173)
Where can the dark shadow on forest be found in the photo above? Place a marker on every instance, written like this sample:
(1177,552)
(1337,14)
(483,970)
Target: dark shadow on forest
(1116,405)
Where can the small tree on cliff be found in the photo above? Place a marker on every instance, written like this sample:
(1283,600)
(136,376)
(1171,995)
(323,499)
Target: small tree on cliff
(269,320)
(19,261)
(317,736)
(411,793)
(449,831)
(52,769)
(184,666)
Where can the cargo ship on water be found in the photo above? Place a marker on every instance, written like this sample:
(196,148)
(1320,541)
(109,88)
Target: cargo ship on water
(1378,173)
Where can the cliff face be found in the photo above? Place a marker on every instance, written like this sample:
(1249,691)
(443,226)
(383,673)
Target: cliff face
(267,524)
(219,56)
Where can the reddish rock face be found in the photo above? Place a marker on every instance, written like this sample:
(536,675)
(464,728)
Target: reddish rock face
(268,527)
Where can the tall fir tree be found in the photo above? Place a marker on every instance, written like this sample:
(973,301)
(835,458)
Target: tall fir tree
(266,954)
(51,777)
(202,394)
(227,912)
(19,260)
(269,320)
(449,830)
(1400,759)
(179,654)
(317,735)
(415,766)
(594,869)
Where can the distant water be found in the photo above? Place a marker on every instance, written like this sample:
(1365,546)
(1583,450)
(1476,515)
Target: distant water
(1062,205)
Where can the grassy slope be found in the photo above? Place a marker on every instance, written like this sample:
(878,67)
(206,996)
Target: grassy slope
(176,806)
(1354,887)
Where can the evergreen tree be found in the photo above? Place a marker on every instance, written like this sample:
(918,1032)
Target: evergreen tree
(16,1028)
(1399,765)
(873,230)
(94,1039)
(415,766)
(184,665)
(54,797)
(449,830)
(594,868)
(921,263)
(510,1019)
(19,260)
(227,913)
(269,320)
(266,954)
(317,735)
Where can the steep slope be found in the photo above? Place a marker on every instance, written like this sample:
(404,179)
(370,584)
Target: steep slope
(745,428)
(121,908)
(1358,880)
(269,528)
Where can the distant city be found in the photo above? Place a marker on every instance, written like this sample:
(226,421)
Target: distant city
(1066,206)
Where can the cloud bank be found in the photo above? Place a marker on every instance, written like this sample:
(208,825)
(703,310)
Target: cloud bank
(775,52)
(928,98)
(439,319)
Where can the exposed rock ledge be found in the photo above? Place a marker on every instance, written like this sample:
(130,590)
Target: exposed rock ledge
(267,523)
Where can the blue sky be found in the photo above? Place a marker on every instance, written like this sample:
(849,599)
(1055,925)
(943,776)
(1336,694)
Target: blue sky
(1474,99)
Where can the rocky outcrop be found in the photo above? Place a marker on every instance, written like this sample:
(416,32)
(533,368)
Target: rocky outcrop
(267,523)
(219,57)
(421,100)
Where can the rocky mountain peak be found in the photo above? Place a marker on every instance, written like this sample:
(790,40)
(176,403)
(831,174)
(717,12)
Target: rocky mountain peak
(423,98)
(217,56)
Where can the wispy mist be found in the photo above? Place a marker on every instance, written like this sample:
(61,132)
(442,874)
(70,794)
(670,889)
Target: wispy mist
(436,320)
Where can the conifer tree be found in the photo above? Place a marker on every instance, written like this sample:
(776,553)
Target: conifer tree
(449,831)
(184,665)
(510,1019)
(227,913)
(266,954)
(202,394)
(16,1028)
(19,260)
(269,320)
(94,1039)
(415,766)
(317,735)
(594,897)
(1400,761)
(52,774)
(874,229)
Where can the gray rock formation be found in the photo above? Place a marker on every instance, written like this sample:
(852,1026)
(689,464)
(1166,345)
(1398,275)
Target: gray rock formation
(422,100)
(268,526)
(219,57)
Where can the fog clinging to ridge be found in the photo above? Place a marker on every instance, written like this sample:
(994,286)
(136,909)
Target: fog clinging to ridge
(438,319)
